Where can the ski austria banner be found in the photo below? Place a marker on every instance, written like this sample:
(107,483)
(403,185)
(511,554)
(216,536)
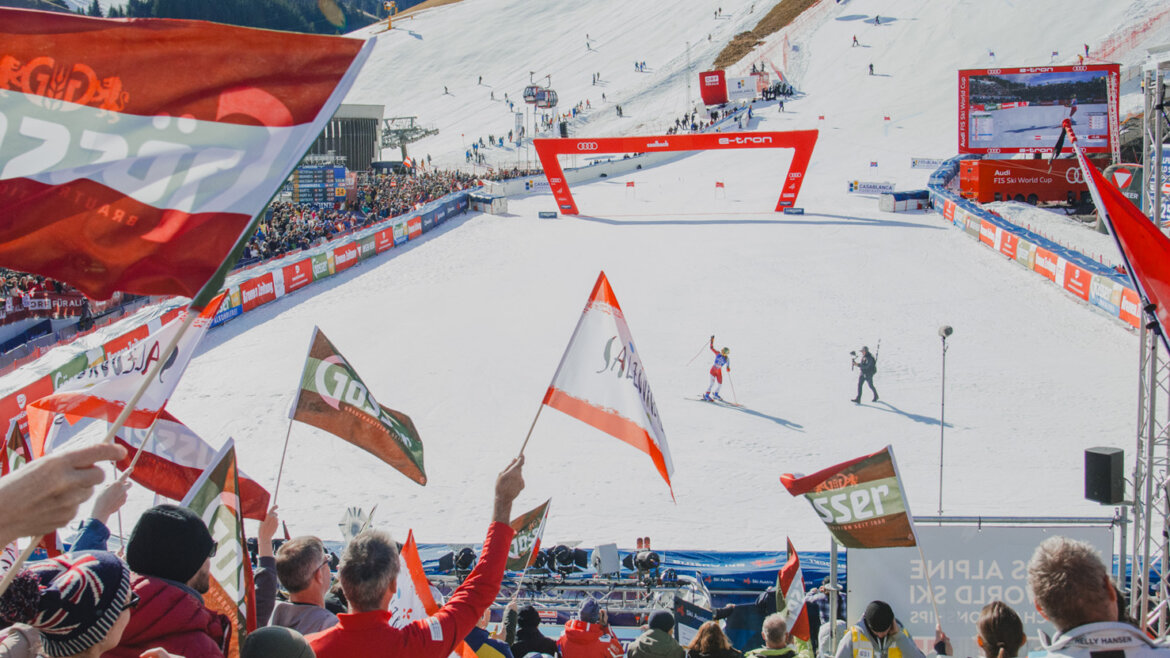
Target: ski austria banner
(118,176)
(615,399)
(969,567)
(688,617)
(790,596)
(102,391)
(173,458)
(1143,246)
(332,397)
(215,497)
(529,529)
(861,501)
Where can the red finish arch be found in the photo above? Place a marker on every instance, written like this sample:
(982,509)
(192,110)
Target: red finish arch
(802,141)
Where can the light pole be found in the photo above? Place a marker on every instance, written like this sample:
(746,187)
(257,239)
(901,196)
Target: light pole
(943,332)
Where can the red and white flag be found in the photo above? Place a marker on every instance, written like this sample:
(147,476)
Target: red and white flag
(174,457)
(1144,248)
(102,391)
(790,591)
(412,598)
(719,184)
(615,399)
(407,162)
(134,154)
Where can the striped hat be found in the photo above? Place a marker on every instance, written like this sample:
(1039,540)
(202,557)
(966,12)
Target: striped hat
(73,600)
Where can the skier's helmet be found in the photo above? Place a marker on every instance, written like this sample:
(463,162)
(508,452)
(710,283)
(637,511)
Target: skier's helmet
(725,351)
(865,349)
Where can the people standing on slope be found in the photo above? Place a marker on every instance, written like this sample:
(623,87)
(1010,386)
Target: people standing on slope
(868,365)
(722,359)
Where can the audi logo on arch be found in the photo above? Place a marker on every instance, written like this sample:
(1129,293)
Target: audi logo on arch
(1073,175)
(586,146)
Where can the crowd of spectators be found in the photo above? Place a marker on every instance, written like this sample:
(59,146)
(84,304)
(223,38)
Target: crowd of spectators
(16,284)
(149,603)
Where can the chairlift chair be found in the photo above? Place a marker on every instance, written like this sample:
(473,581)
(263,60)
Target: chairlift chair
(530,93)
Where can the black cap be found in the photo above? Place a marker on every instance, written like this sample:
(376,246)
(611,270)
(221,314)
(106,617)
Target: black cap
(662,620)
(528,617)
(879,616)
(169,542)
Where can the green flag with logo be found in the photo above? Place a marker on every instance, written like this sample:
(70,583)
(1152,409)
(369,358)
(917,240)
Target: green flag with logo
(529,528)
(332,397)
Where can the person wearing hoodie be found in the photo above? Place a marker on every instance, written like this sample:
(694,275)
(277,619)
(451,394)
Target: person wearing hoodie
(878,635)
(657,642)
(588,635)
(529,639)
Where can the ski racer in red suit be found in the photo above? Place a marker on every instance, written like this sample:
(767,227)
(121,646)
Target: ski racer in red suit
(722,359)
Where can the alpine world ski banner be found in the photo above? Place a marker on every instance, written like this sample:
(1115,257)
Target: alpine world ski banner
(1143,247)
(136,153)
(104,390)
(616,397)
(861,501)
(529,529)
(790,596)
(173,457)
(215,497)
(332,397)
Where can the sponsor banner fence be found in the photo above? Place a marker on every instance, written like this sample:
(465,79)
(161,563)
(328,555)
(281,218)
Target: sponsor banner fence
(1087,279)
(298,275)
(869,187)
(384,240)
(925,163)
(414,228)
(345,256)
(969,568)
(258,291)
(367,247)
(41,305)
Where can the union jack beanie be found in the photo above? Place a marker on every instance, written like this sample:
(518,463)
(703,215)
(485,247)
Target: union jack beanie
(73,600)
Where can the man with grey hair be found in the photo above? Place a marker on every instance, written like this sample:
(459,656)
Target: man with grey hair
(776,639)
(368,573)
(302,565)
(1072,589)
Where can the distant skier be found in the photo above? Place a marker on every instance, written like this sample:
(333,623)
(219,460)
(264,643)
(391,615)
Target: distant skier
(871,69)
(877,20)
(855,44)
(1073,109)
(868,365)
(722,359)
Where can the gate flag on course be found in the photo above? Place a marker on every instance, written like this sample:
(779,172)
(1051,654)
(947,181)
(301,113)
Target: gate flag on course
(136,154)
(861,501)
(615,399)
(332,397)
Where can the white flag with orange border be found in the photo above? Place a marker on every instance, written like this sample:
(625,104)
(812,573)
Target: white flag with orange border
(615,399)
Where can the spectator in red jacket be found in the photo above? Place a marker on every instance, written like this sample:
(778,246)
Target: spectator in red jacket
(588,635)
(369,572)
(170,553)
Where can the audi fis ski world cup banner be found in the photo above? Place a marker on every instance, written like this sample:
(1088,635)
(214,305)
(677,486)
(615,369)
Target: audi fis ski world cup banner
(861,501)
(1020,110)
(332,397)
(136,153)
(601,381)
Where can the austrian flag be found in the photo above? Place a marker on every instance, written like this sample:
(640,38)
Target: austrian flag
(134,154)
(616,398)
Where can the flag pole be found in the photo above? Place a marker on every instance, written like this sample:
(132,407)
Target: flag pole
(833,597)
(929,584)
(533,425)
(280,471)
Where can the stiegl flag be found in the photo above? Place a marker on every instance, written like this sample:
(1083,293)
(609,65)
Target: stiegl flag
(861,501)
(215,497)
(102,391)
(601,381)
(136,155)
(529,528)
(332,397)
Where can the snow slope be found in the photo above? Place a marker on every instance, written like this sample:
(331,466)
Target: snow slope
(464,329)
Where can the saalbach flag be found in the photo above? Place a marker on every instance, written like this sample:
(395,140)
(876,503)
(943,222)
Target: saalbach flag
(412,598)
(215,497)
(529,528)
(16,451)
(332,397)
(1143,247)
(173,458)
(861,501)
(103,391)
(790,595)
(137,153)
(615,399)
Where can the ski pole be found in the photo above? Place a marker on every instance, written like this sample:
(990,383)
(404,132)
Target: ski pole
(732,384)
(697,354)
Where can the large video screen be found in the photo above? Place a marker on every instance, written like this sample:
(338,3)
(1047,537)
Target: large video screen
(1020,110)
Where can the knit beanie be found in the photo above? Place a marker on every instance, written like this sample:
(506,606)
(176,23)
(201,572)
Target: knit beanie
(590,612)
(169,542)
(73,600)
(528,617)
(276,642)
(879,616)
(662,620)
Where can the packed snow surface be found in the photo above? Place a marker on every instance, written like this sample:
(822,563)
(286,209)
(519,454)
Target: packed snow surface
(464,329)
